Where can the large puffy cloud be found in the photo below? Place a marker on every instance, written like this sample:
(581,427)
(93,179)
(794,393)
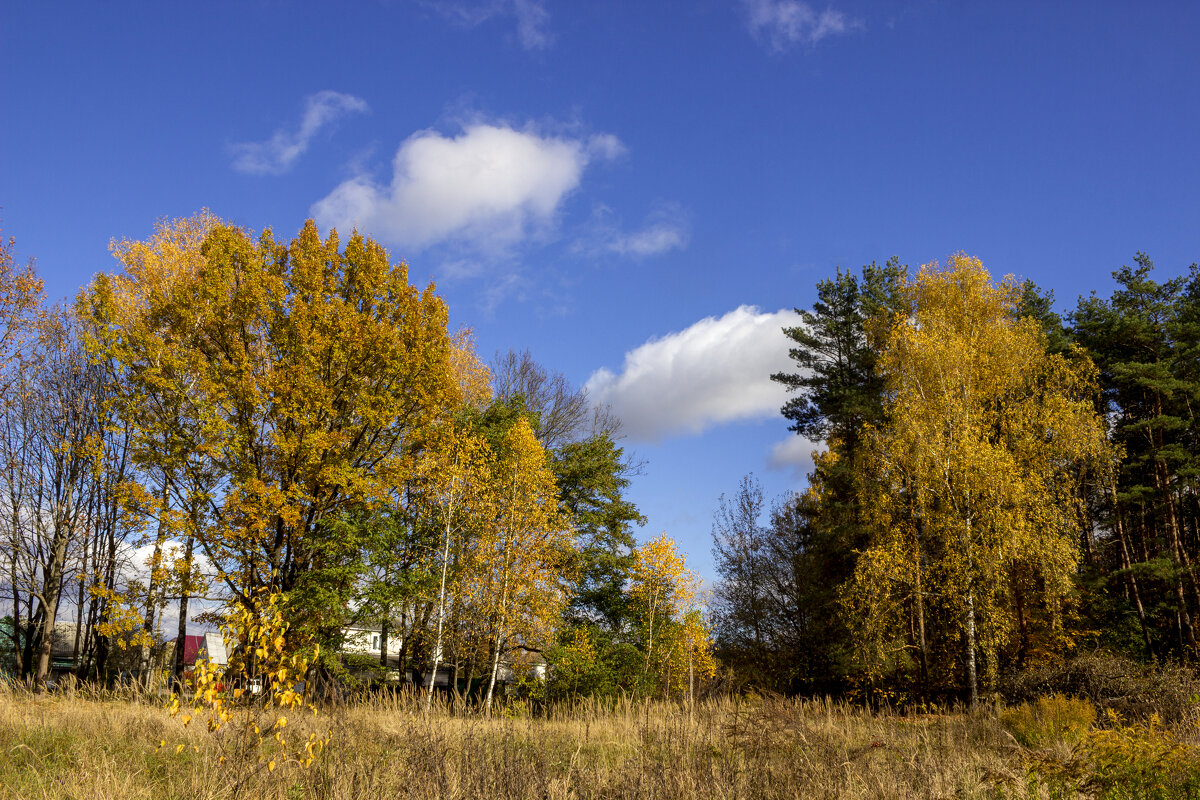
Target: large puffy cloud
(488,187)
(277,154)
(715,371)
(780,23)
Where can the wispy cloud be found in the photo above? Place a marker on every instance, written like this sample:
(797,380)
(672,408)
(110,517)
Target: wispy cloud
(665,229)
(486,189)
(715,371)
(277,154)
(533,21)
(779,24)
(658,237)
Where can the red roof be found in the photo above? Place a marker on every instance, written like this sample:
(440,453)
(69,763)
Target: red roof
(191,646)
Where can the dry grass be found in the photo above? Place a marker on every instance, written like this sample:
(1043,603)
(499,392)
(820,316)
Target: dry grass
(90,746)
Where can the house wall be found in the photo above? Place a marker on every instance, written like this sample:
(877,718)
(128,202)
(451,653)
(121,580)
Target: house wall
(359,641)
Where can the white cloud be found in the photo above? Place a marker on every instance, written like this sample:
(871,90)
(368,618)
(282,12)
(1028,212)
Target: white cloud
(533,21)
(277,154)
(172,551)
(715,371)
(489,187)
(606,146)
(781,23)
(793,453)
(533,24)
(665,229)
(657,238)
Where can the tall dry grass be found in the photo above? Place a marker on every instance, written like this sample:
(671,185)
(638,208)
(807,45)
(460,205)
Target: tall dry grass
(89,744)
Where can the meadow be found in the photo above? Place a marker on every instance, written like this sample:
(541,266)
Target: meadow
(90,744)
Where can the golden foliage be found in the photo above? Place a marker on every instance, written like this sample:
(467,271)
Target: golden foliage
(666,594)
(20,298)
(474,377)
(518,559)
(273,384)
(1141,760)
(245,705)
(973,476)
(120,621)
(1050,719)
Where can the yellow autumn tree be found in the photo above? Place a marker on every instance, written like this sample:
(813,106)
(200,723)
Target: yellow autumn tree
(690,657)
(473,376)
(455,473)
(675,641)
(974,474)
(275,384)
(20,299)
(520,556)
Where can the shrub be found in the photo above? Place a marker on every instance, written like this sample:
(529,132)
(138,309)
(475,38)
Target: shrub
(1050,719)
(1141,760)
(1112,682)
(242,724)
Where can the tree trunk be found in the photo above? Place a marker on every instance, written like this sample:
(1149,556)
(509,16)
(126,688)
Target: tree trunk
(103,642)
(152,589)
(383,642)
(402,656)
(181,636)
(76,649)
(441,615)
(1163,480)
(471,669)
(18,647)
(51,593)
(503,617)
(1127,565)
(33,626)
(1178,553)
(972,677)
(972,680)
(1022,628)
(921,641)
(487,703)
(1086,533)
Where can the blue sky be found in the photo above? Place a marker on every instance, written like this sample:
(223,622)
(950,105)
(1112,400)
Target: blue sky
(635,191)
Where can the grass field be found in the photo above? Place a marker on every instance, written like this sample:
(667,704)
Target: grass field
(91,745)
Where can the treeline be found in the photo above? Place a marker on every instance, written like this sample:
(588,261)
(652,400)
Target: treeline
(238,422)
(996,488)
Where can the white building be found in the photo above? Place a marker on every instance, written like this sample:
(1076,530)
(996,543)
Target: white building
(361,641)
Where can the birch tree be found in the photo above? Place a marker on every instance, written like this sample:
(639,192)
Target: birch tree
(457,465)
(974,472)
(664,593)
(520,556)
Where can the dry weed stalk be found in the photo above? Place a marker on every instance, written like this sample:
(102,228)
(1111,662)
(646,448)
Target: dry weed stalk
(89,745)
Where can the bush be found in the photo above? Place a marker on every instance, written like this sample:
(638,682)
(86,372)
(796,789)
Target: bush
(1132,690)
(1141,760)
(1050,719)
